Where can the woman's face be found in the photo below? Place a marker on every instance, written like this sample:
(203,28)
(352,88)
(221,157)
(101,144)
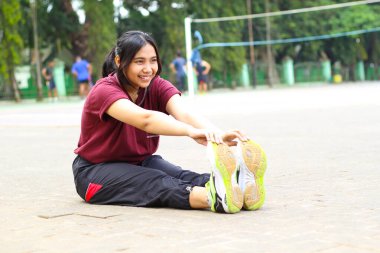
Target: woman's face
(143,67)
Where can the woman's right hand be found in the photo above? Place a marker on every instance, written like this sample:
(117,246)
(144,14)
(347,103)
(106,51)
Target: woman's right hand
(231,137)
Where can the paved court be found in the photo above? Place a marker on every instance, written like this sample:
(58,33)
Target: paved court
(323,148)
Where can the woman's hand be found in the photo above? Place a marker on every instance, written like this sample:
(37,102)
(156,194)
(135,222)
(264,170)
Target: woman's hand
(230,137)
(202,136)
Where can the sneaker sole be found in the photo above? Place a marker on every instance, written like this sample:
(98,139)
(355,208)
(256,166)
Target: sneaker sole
(255,159)
(226,164)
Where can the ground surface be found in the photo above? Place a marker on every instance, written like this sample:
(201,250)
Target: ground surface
(322,181)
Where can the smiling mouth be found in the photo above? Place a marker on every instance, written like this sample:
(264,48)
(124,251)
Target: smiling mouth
(145,78)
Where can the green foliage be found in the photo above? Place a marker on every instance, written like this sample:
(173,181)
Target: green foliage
(173,27)
(350,49)
(59,28)
(56,23)
(11,41)
(101,32)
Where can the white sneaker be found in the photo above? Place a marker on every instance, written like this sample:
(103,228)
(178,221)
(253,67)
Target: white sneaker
(223,190)
(252,165)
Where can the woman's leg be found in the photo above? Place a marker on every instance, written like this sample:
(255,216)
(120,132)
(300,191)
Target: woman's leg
(199,198)
(157,162)
(127,184)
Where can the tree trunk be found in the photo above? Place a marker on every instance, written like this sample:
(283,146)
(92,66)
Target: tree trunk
(16,92)
(271,70)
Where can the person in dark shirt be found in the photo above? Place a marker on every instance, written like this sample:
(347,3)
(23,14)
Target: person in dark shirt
(123,117)
(47,73)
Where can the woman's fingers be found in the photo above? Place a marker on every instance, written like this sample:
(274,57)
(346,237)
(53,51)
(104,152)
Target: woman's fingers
(240,135)
(214,137)
(228,137)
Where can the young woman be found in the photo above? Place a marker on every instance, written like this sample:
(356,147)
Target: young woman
(123,116)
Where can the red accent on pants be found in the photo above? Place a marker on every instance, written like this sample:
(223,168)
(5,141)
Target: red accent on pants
(91,190)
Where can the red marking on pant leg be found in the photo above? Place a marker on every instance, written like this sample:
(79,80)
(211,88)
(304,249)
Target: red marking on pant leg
(91,190)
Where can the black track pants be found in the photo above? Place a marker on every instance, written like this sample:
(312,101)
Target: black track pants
(156,183)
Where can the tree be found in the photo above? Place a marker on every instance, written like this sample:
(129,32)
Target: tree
(101,32)
(66,31)
(10,45)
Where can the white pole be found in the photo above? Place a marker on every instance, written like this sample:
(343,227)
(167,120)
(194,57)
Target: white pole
(33,5)
(190,76)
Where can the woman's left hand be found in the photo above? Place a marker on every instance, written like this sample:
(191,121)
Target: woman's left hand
(229,137)
(203,136)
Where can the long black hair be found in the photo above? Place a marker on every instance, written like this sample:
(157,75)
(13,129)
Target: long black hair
(126,48)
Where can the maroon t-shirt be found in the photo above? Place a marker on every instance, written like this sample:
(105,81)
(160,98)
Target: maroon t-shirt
(106,139)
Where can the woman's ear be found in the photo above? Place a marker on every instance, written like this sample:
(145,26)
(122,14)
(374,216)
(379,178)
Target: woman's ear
(117,60)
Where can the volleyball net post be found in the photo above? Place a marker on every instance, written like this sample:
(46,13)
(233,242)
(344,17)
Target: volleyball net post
(189,65)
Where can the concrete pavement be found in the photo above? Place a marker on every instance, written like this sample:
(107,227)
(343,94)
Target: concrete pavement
(322,181)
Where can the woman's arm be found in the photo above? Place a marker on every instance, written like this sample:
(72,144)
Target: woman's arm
(178,109)
(149,121)
(155,122)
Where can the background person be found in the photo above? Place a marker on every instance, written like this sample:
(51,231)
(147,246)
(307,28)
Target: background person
(82,71)
(47,73)
(201,68)
(178,67)
(202,71)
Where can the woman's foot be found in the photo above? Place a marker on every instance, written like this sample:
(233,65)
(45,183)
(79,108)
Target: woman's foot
(224,193)
(252,166)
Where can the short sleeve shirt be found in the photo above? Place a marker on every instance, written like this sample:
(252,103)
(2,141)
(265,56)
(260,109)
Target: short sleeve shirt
(80,68)
(106,139)
(179,64)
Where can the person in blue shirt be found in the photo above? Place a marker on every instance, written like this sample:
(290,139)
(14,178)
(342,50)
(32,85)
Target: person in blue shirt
(82,71)
(178,67)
